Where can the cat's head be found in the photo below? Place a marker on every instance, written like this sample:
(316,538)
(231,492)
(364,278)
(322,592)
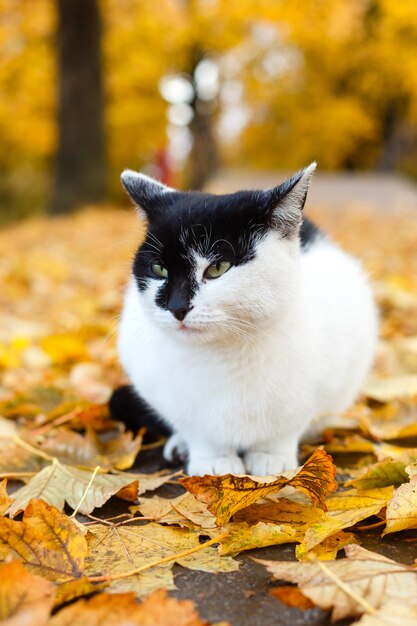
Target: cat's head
(214,267)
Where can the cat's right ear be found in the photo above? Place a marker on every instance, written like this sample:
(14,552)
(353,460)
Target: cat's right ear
(146,192)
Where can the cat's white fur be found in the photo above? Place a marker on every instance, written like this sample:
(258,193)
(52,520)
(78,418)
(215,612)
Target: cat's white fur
(269,346)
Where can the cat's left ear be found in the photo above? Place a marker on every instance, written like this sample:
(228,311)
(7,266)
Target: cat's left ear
(286,202)
(146,192)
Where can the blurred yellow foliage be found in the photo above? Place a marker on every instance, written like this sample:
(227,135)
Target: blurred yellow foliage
(333,80)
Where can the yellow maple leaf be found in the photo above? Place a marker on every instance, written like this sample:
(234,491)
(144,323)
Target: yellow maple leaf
(46,541)
(225,495)
(24,597)
(82,489)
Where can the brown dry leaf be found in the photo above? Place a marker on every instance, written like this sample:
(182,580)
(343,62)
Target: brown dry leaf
(58,483)
(382,474)
(14,460)
(193,510)
(349,444)
(123,610)
(46,541)
(24,598)
(5,499)
(89,450)
(159,510)
(385,450)
(394,420)
(225,495)
(269,523)
(296,515)
(345,509)
(394,388)
(72,589)
(150,482)
(372,577)
(116,550)
(242,537)
(391,614)
(184,510)
(326,550)
(402,508)
(292,597)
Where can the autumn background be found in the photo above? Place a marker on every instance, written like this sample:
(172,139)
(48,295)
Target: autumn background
(219,95)
(182,87)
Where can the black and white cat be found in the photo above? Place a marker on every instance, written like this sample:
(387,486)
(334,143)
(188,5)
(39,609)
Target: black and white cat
(241,323)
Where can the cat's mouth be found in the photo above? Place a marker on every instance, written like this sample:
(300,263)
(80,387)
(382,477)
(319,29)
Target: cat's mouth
(184,328)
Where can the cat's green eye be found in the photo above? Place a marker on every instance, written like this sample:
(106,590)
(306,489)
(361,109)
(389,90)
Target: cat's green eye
(217,269)
(159,270)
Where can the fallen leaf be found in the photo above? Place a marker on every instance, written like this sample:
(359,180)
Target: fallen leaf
(242,536)
(89,450)
(388,389)
(180,510)
(150,482)
(382,474)
(123,610)
(350,444)
(402,508)
(326,550)
(72,589)
(391,614)
(394,420)
(372,577)
(24,597)
(284,511)
(117,550)
(225,495)
(46,541)
(5,499)
(57,484)
(345,509)
(15,460)
(292,597)
(193,510)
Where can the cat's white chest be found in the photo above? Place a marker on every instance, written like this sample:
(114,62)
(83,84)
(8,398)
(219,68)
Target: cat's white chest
(240,395)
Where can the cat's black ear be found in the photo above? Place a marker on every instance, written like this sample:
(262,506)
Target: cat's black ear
(286,202)
(146,192)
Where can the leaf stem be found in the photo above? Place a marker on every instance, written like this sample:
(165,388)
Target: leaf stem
(90,482)
(16,474)
(167,559)
(344,587)
(371,526)
(23,444)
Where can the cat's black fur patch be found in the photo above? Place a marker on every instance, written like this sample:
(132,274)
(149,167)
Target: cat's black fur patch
(308,233)
(216,227)
(127,406)
(222,228)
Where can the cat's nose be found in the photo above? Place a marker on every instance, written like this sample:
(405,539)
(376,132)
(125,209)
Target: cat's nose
(180,313)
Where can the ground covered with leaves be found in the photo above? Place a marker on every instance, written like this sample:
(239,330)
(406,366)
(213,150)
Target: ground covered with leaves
(67,558)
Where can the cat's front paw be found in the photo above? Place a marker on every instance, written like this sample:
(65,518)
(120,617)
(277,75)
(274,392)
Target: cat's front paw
(216,466)
(175,448)
(267,463)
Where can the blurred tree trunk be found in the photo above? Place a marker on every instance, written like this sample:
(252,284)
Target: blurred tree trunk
(204,157)
(80,174)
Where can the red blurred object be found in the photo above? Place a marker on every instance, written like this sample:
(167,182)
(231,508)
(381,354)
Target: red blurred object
(163,170)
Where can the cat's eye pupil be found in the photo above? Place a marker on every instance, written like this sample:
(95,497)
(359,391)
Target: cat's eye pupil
(159,270)
(217,269)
